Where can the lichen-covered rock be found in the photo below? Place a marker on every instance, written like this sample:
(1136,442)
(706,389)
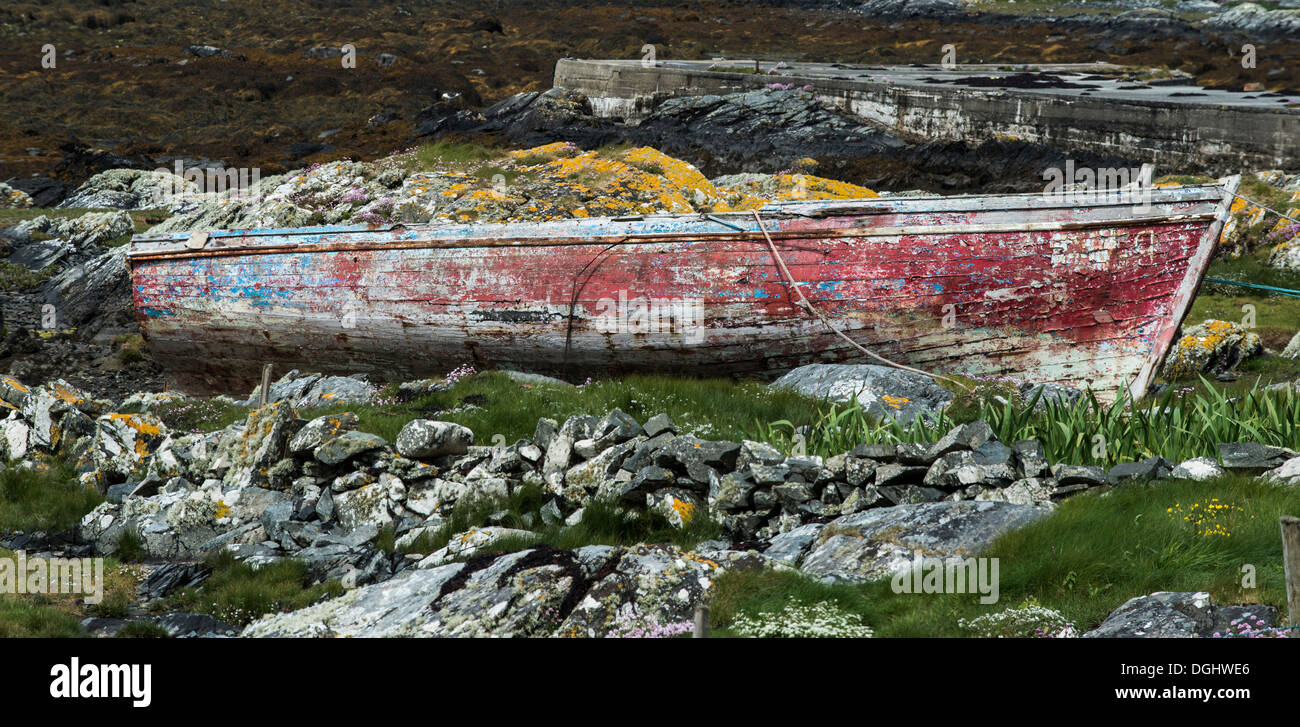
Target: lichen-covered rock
(128,189)
(125,443)
(263,442)
(1179,615)
(537,591)
(425,439)
(347,445)
(320,430)
(1292,349)
(1210,348)
(877,542)
(881,390)
(11,198)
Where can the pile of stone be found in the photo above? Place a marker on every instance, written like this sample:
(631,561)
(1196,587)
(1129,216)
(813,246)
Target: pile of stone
(279,486)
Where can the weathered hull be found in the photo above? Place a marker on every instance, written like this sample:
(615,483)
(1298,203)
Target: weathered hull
(1015,285)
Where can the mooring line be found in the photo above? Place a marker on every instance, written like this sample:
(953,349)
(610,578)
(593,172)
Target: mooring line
(1266,209)
(1270,288)
(806,305)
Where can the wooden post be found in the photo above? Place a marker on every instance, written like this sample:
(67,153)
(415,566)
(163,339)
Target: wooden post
(266,386)
(756,68)
(1291,565)
(701,622)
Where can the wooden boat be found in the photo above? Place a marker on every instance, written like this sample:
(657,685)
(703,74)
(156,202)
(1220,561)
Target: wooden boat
(1024,286)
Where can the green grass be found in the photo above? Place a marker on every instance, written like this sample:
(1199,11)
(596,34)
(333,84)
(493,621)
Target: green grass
(59,615)
(47,499)
(442,155)
(239,594)
(1095,552)
(21,277)
(142,630)
(32,618)
(491,403)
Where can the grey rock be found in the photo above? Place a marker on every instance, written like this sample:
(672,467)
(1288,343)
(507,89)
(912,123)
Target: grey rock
(1251,457)
(911,395)
(1197,468)
(340,449)
(317,431)
(1072,474)
(875,543)
(425,439)
(790,547)
(1179,615)
(1150,468)
(659,424)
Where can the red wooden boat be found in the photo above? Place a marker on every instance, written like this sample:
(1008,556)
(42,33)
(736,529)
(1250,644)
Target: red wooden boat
(1029,286)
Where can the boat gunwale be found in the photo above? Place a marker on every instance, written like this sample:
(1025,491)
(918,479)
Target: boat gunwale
(794,209)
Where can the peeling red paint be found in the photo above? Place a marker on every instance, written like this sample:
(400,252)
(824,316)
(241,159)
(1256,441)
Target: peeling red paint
(1041,291)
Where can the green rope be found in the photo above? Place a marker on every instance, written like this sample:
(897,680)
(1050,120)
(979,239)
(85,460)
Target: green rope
(1270,288)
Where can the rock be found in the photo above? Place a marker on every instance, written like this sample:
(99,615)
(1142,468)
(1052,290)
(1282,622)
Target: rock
(91,290)
(536,379)
(896,474)
(425,439)
(168,578)
(1211,348)
(1031,460)
(1288,473)
(128,189)
(882,391)
(1292,349)
(1178,615)
(40,191)
(90,229)
(263,442)
(1073,474)
(1197,468)
(877,542)
(952,471)
(909,494)
(685,452)
(1150,468)
(962,437)
(192,625)
(537,591)
(123,444)
(659,424)
(790,547)
(317,431)
(348,445)
(678,506)
(1251,457)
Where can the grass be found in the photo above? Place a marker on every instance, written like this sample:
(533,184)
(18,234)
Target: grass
(239,594)
(21,277)
(443,154)
(491,403)
(1062,563)
(1178,425)
(59,615)
(47,498)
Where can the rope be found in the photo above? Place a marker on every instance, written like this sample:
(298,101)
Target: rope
(803,303)
(1270,288)
(1266,209)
